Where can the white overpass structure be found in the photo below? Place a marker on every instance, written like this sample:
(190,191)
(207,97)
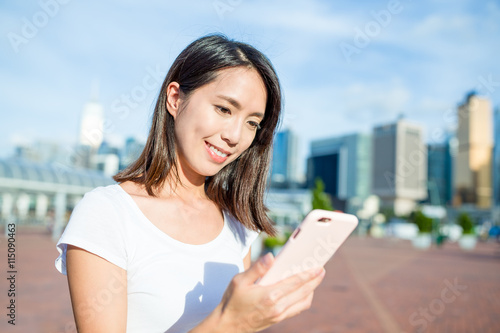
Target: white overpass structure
(43,194)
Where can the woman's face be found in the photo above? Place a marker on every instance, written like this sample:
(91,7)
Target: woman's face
(218,121)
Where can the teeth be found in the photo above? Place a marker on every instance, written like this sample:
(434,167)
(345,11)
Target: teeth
(219,153)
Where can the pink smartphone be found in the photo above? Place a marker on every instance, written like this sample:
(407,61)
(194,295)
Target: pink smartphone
(311,245)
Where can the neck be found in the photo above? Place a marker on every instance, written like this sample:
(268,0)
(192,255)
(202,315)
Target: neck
(184,187)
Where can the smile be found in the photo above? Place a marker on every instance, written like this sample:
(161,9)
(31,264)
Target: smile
(217,154)
(215,150)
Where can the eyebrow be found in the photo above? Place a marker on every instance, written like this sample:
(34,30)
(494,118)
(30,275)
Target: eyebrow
(237,105)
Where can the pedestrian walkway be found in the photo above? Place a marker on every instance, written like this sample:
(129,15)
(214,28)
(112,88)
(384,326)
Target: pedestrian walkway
(383,285)
(42,297)
(371,285)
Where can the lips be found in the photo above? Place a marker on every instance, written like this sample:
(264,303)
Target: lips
(217,154)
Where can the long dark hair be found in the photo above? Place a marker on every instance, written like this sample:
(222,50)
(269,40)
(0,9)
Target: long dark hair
(239,187)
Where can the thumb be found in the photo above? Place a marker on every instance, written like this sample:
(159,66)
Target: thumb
(258,269)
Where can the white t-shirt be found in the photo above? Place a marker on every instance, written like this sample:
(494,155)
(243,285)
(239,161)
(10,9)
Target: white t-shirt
(171,286)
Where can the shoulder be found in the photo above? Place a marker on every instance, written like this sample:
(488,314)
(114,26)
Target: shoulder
(101,204)
(99,200)
(109,192)
(100,224)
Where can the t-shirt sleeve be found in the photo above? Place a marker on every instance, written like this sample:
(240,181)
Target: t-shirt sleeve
(95,226)
(251,236)
(243,236)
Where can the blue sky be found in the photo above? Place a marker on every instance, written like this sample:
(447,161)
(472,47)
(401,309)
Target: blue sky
(344,66)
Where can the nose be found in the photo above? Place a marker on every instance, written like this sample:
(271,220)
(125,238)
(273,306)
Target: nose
(231,132)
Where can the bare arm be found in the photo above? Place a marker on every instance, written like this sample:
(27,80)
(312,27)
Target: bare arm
(98,292)
(247,261)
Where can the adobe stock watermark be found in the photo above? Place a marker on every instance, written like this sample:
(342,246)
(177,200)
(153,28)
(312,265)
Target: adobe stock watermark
(89,309)
(421,318)
(137,94)
(487,83)
(364,36)
(122,107)
(31,27)
(323,250)
(223,6)
(126,102)
(262,310)
(407,166)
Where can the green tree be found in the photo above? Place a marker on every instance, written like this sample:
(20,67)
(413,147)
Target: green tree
(466,223)
(423,222)
(388,213)
(320,199)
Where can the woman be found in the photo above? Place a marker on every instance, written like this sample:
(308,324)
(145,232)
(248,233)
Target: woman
(168,248)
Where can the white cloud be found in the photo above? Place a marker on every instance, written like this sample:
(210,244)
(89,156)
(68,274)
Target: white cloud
(435,25)
(425,59)
(310,19)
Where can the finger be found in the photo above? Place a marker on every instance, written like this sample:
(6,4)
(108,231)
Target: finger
(285,293)
(298,307)
(290,299)
(258,269)
(294,282)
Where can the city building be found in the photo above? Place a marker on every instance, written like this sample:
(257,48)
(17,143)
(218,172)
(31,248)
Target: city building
(92,122)
(287,207)
(439,174)
(285,158)
(399,166)
(496,169)
(106,159)
(41,151)
(344,164)
(81,157)
(131,152)
(43,193)
(473,159)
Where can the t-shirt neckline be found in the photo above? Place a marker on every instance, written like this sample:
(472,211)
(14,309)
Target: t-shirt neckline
(144,220)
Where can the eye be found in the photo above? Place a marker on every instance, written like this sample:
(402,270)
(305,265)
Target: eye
(254,125)
(222,109)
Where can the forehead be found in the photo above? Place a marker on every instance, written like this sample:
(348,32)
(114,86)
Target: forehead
(242,84)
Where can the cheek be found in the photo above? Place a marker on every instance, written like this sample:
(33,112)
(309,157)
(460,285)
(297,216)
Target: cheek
(192,127)
(184,137)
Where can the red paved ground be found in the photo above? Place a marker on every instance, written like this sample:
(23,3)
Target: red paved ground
(42,298)
(372,285)
(376,285)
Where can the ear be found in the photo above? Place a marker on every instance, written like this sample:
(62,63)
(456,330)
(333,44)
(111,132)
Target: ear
(173,98)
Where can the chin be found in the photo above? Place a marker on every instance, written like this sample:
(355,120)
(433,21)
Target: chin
(213,172)
(214,169)
(209,172)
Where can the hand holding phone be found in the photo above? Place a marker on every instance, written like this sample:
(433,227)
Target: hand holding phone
(311,245)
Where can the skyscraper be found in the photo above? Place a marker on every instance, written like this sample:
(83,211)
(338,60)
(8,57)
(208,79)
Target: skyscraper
(92,121)
(344,165)
(285,158)
(473,160)
(496,167)
(440,173)
(131,152)
(399,166)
